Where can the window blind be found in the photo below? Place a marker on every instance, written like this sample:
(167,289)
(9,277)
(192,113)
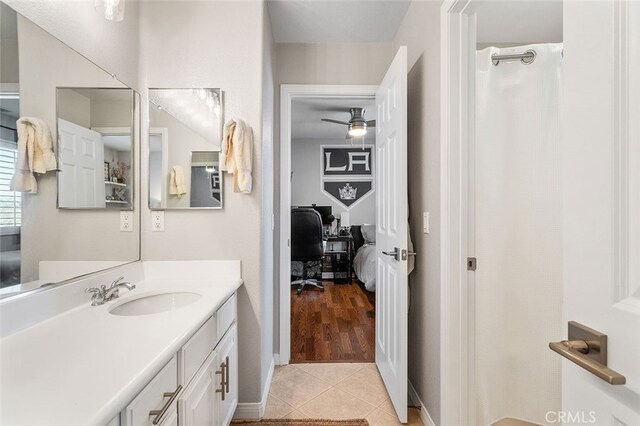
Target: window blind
(10,201)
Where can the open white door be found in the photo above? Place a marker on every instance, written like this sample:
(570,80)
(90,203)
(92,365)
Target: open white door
(391,232)
(81,179)
(601,175)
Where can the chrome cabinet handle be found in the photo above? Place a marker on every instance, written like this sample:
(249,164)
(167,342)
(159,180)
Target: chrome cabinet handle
(223,370)
(160,413)
(226,366)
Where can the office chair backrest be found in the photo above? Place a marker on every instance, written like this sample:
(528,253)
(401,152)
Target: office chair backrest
(306,235)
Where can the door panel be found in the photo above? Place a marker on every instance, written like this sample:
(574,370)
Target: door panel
(391,232)
(81,179)
(601,192)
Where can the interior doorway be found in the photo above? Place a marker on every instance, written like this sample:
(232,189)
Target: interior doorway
(332,243)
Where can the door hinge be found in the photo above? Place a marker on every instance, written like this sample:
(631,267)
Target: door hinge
(471,263)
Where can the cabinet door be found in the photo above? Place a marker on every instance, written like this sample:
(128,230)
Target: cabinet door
(227,356)
(153,397)
(197,405)
(171,419)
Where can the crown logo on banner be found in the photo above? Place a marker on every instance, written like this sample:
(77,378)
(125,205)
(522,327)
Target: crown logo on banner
(348,192)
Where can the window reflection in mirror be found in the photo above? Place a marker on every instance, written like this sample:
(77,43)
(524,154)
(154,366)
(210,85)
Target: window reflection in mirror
(185,131)
(95,148)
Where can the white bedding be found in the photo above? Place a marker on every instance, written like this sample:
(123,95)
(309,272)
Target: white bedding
(364,265)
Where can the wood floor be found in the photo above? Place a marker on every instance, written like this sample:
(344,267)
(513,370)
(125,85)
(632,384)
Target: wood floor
(335,325)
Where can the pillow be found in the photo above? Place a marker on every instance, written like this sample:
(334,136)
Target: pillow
(369,233)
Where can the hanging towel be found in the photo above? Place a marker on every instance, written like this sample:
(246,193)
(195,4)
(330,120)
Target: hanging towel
(35,154)
(177,185)
(237,154)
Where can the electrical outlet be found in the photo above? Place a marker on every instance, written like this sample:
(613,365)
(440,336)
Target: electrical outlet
(157,221)
(426,226)
(126,221)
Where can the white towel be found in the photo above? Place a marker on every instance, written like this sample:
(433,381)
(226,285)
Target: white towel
(237,154)
(177,183)
(35,154)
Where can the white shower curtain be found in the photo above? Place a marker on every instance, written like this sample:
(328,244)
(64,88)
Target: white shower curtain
(518,286)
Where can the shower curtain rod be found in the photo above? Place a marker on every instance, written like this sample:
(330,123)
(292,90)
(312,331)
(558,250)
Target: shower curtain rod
(527,57)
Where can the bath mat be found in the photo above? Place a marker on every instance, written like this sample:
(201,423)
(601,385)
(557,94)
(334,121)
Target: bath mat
(301,422)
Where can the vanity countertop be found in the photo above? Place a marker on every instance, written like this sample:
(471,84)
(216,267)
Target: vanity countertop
(83,366)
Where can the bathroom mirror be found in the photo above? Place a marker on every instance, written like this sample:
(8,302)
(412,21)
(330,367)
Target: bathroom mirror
(185,131)
(45,239)
(95,148)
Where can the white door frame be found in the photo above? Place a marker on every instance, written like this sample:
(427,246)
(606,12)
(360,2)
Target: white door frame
(458,46)
(289,92)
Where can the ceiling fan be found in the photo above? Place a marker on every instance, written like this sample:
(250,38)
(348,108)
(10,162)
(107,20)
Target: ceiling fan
(357,124)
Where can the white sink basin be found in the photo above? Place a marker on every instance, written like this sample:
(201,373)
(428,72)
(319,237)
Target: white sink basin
(155,303)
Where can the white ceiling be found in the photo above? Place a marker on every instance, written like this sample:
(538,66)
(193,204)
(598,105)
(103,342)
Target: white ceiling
(520,21)
(306,115)
(331,21)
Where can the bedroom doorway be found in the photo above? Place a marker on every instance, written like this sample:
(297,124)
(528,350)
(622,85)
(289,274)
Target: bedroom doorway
(333,213)
(348,173)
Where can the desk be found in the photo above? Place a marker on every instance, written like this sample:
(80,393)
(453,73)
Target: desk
(346,240)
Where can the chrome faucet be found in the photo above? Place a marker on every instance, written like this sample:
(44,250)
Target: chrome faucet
(103,294)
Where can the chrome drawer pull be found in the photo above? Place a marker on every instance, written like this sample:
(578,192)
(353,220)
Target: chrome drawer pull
(226,366)
(160,413)
(223,370)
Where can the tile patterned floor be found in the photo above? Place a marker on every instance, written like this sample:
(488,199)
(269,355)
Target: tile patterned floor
(332,391)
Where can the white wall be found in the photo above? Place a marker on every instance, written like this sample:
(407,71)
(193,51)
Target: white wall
(420,32)
(306,166)
(267,216)
(223,48)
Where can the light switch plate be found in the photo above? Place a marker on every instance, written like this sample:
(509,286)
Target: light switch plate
(126,221)
(426,226)
(157,221)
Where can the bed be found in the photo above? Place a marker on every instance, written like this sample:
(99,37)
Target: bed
(364,262)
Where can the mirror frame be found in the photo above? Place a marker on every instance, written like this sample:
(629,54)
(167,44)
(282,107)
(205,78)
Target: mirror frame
(135,127)
(148,133)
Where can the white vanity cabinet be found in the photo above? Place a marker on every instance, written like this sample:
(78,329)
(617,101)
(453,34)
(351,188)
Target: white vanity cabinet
(198,386)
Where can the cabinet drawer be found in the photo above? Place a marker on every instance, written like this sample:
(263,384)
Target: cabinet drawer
(152,397)
(197,349)
(226,315)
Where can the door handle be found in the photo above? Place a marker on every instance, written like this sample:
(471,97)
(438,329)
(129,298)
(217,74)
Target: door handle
(587,348)
(223,382)
(395,253)
(161,412)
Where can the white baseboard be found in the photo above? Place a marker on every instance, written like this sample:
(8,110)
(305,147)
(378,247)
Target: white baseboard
(255,410)
(414,399)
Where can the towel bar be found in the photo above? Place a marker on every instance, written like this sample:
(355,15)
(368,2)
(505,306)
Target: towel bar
(587,348)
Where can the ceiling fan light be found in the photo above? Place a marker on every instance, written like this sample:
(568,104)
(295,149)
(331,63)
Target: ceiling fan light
(357,129)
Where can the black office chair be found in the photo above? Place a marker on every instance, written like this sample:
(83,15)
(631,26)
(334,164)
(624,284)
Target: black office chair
(306,243)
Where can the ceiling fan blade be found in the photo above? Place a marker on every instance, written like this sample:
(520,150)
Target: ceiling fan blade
(329,120)
(371,123)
